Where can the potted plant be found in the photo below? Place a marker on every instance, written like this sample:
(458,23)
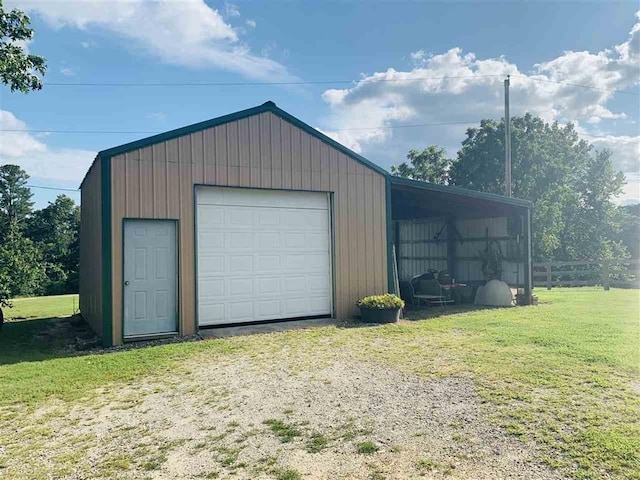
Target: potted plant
(380,308)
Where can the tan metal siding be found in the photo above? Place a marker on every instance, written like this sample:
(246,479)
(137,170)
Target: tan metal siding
(91,249)
(263,151)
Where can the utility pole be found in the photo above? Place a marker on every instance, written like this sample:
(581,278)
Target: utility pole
(507,140)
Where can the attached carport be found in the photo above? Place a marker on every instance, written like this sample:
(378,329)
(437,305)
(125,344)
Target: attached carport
(443,227)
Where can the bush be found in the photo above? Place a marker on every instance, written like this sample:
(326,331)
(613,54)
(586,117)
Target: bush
(388,300)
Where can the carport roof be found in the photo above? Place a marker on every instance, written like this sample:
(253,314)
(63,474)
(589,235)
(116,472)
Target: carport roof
(413,199)
(457,191)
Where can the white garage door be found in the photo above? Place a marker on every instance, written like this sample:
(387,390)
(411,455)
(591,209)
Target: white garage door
(262,255)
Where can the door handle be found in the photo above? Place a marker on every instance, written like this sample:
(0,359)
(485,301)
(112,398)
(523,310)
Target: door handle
(126,282)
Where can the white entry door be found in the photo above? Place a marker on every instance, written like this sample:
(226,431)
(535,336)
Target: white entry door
(262,255)
(150,277)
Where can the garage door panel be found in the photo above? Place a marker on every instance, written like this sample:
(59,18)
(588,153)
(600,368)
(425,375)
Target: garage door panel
(268,264)
(241,287)
(241,311)
(319,304)
(318,284)
(274,261)
(294,284)
(316,220)
(211,287)
(239,241)
(295,307)
(317,241)
(294,263)
(268,309)
(266,286)
(240,264)
(211,265)
(211,241)
(267,241)
(316,262)
(211,216)
(267,217)
(295,240)
(293,218)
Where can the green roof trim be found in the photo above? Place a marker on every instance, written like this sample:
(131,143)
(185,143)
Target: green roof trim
(265,107)
(451,190)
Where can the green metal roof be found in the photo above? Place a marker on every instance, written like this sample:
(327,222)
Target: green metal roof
(450,190)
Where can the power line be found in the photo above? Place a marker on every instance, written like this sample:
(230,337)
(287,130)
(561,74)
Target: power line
(251,84)
(626,92)
(76,190)
(321,82)
(158,131)
(384,127)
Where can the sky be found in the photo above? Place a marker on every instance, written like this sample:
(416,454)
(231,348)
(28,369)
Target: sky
(376,76)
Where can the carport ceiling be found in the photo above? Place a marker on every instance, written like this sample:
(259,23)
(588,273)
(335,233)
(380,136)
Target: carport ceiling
(409,202)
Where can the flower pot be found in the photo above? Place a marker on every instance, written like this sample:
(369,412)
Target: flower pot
(379,315)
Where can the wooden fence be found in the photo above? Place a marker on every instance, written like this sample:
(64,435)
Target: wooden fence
(608,273)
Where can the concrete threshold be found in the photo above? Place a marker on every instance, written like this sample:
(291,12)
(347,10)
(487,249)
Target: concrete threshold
(223,332)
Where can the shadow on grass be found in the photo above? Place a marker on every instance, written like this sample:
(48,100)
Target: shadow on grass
(35,340)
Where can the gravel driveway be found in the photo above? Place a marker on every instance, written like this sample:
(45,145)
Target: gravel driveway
(253,418)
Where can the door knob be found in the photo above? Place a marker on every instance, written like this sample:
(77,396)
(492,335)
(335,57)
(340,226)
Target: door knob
(126,282)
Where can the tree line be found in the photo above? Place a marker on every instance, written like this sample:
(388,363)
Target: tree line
(39,249)
(572,185)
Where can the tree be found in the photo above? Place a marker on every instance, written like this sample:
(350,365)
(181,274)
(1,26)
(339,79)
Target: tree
(21,267)
(570,185)
(430,165)
(15,199)
(629,234)
(55,229)
(18,69)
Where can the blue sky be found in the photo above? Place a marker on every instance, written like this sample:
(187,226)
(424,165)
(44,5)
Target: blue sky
(397,47)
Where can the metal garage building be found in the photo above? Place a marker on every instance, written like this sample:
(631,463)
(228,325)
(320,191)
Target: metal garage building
(249,217)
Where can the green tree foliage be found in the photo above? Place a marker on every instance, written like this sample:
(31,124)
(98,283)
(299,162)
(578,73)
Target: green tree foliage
(22,270)
(429,165)
(15,199)
(18,69)
(629,233)
(571,185)
(39,250)
(55,229)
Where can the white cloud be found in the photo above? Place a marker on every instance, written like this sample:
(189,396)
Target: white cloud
(231,10)
(186,33)
(67,72)
(473,90)
(251,23)
(158,116)
(88,44)
(37,158)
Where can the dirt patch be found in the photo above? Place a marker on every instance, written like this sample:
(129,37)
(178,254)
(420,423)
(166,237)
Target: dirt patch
(251,419)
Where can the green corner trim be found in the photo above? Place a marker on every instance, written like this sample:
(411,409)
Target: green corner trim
(389,218)
(107,278)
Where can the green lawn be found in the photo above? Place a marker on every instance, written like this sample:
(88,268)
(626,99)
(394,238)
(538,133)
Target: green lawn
(564,375)
(42,307)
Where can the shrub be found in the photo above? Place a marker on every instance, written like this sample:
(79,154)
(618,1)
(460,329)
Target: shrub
(388,300)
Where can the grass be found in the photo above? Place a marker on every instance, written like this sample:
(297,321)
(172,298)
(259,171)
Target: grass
(564,375)
(42,307)
(284,431)
(367,447)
